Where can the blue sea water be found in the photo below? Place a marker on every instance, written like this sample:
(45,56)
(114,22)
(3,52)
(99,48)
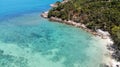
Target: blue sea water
(27,40)
(11,8)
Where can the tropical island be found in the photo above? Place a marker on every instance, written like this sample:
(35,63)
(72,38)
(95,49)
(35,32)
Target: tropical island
(91,15)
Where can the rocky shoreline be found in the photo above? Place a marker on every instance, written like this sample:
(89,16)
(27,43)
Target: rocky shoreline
(102,34)
(109,61)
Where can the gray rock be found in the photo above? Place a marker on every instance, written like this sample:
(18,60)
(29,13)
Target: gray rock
(103,65)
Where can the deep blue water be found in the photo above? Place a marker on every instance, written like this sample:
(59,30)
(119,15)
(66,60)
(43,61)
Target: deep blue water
(13,8)
(27,40)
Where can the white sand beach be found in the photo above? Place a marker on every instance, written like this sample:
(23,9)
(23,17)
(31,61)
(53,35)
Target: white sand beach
(108,59)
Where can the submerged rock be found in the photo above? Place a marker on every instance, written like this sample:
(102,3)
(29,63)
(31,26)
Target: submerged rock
(1,52)
(104,65)
(35,35)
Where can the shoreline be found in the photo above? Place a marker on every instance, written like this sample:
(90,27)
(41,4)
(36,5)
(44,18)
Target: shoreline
(98,32)
(109,61)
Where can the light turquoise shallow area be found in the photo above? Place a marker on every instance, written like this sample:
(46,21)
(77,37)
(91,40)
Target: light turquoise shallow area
(27,40)
(31,41)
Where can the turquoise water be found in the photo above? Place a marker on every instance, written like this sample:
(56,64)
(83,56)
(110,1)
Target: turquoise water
(27,40)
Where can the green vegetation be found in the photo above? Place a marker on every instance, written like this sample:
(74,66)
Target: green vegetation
(95,14)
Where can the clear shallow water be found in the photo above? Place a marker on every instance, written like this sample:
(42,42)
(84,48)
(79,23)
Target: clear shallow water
(27,40)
